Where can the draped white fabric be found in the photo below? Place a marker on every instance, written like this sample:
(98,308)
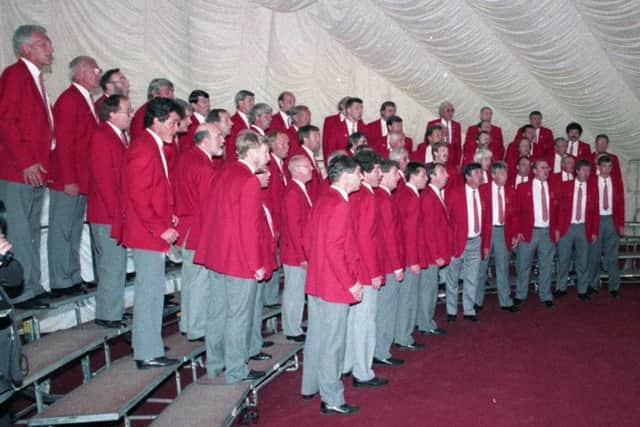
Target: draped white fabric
(571,59)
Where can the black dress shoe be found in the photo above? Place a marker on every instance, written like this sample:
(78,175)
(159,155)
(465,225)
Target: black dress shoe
(201,339)
(451,317)
(345,374)
(411,347)
(266,344)
(344,409)
(32,304)
(297,338)
(391,361)
(272,306)
(615,294)
(510,308)
(261,356)
(254,375)
(309,396)
(158,362)
(477,307)
(559,294)
(548,303)
(373,382)
(517,301)
(437,331)
(112,324)
(584,297)
(592,291)
(472,318)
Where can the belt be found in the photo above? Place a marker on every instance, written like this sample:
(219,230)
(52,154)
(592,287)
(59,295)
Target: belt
(473,238)
(498,226)
(541,228)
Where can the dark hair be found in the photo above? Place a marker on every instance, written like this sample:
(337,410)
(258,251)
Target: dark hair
(340,165)
(352,101)
(354,138)
(480,134)
(522,158)
(194,95)
(109,105)
(386,165)
(430,130)
(367,160)
(574,126)
(106,76)
(160,108)
(283,94)
(525,127)
(537,162)
(498,165)
(431,169)
(413,168)
(386,104)
(214,115)
(393,119)
(535,113)
(305,131)
(604,159)
(557,140)
(603,136)
(470,167)
(582,163)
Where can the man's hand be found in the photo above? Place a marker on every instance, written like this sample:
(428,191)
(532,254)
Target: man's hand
(304,264)
(399,276)
(557,235)
(170,235)
(594,237)
(415,269)
(485,253)
(376,282)
(439,262)
(71,189)
(33,175)
(260,273)
(356,291)
(5,246)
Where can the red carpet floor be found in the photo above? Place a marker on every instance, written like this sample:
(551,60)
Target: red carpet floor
(577,364)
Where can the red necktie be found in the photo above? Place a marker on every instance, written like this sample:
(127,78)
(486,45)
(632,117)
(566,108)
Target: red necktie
(579,204)
(476,215)
(500,207)
(44,99)
(543,198)
(605,196)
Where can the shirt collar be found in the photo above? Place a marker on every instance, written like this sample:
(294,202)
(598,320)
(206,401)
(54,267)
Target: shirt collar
(343,193)
(33,69)
(251,168)
(385,189)
(156,137)
(116,129)
(199,116)
(413,187)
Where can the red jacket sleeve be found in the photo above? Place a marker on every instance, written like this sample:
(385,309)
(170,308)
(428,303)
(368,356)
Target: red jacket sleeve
(251,214)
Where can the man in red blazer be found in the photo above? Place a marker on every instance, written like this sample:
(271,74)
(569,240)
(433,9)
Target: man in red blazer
(423,152)
(377,129)
(534,219)
(452,133)
(541,138)
(436,251)
(577,227)
(309,146)
(498,200)
(523,147)
(407,199)
(401,156)
(567,172)
(112,82)
(554,159)
(75,120)
(221,119)
(329,123)
(482,140)
(107,149)
(610,228)
(384,144)
(281,119)
(522,172)
(331,286)
(393,264)
(25,147)
(602,147)
(577,148)
(497,141)
(244,100)
(296,206)
(485,158)
(465,209)
(339,133)
(260,118)
(194,175)
(199,105)
(300,116)
(230,246)
(149,226)
(361,324)
(440,153)
(158,88)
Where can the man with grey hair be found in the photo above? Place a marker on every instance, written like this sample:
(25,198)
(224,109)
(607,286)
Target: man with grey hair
(158,88)
(282,119)
(260,118)
(451,132)
(244,101)
(26,126)
(76,120)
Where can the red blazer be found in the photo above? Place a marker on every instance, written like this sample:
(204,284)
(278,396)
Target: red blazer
(392,240)
(542,148)
(555,180)
(25,135)
(457,207)
(615,165)
(230,141)
(455,145)
(332,250)
(411,221)
(277,123)
(194,174)
(511,177)
(99,101)
(509,195)
(136,128)
(74,125)
(147,197)
(106,158)
(374,131)
(295,215)
(368,234)
(523,215)
(470,144)
(275,191)
(564,208)
(584,151)
(436,228)
(381,146)
(185,140)
(329,123)
(420,153)
(268,246)
(337,136)
(314,186)
(230,234)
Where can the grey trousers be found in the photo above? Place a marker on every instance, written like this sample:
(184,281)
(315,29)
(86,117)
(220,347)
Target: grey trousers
(24,210)
(468,266)
(66,218)
(577,238)
(147,308)
(111,270)
(194,296)
(501,255)
(231,303)
(427,298)
(542,244)
(293,300)
(607,247)
(324,350)
(254,334)
(386,317)
(361,336)
(407,308)
(271,291)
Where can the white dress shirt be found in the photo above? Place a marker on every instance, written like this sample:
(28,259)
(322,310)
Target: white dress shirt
(520,179)
(87,97)
(601,182)
(199,117)
(583,203)
(537,203)
(557,163)
(244,118)
(35,73)
(160,144)
(352,127)
(383,127)
(572,148)
(470,195)
(311,155)
(415,190)
(280,165)
(447,125)
(428,155)
(438,193)
(304,190)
